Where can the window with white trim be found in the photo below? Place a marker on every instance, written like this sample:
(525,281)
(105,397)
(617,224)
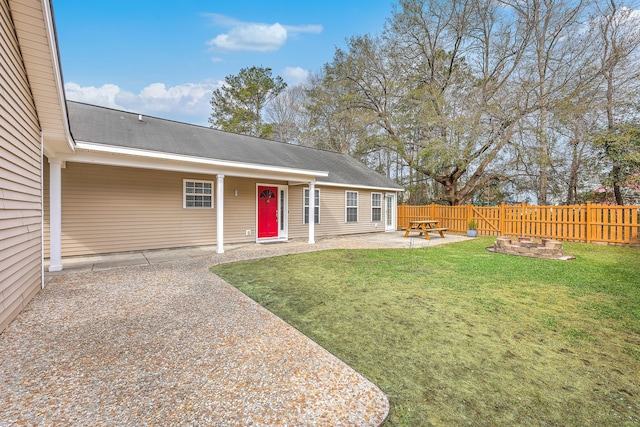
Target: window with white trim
(198,194)
(351,203)
(376,207)
(316,206)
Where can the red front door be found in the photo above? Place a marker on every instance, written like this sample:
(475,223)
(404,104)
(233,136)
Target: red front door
(267,212)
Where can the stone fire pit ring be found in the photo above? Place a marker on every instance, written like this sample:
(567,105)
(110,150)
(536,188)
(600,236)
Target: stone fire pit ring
(526,246)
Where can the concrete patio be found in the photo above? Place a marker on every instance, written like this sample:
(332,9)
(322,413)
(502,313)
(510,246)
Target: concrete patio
(251,250)
(154,337)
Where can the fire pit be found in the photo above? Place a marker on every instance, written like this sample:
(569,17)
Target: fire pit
(525,246)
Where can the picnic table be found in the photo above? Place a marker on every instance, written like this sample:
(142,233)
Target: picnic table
(424,227)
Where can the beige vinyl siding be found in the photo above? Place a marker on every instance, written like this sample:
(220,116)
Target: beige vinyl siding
(20,178)
(109,209)
(114,209)
(332,213)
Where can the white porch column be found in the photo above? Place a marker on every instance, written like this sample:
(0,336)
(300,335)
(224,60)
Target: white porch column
(220,214)
(312,213)
(55,214)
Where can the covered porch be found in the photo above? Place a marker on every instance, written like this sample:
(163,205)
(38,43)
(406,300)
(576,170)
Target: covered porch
(101,202)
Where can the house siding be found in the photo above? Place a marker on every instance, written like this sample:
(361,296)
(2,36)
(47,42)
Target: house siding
(115,209)
(332,213)
(108,209)
(20,180)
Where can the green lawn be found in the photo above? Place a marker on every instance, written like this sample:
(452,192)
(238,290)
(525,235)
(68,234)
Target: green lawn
(456,335)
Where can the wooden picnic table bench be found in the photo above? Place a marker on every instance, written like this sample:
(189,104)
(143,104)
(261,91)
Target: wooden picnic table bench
(424,227)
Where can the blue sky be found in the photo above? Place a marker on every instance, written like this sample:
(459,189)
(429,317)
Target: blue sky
(165,58)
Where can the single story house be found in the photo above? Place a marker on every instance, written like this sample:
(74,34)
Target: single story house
(135,182)
(77,179)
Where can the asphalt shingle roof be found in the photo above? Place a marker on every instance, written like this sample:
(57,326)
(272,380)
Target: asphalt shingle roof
(100,125)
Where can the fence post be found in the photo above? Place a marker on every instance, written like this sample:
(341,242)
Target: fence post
(588,221)
(635,226)
(522,205)
(468,215)
(502,214)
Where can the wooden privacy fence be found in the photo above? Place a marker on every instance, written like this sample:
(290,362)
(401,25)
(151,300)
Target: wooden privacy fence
(581,223)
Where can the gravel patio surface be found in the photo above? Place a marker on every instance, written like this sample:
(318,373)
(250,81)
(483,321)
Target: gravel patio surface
(170,343)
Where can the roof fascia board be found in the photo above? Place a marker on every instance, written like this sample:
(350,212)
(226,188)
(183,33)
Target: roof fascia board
(57,69)
(112,159)
(198,160)
(364,187)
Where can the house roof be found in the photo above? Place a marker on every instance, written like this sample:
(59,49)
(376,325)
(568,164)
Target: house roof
(116,128)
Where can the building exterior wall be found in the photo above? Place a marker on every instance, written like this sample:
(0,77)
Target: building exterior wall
(108,209)
(20,180)
(114,209)
(333,212)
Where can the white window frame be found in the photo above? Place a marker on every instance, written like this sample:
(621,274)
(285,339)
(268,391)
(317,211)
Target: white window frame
(347,206)
(379,207)
(390,209)
(185,193)
(305,206)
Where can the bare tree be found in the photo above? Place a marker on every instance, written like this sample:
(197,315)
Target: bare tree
(333,125)
(465,56)
(556,54)
(456,96)
(287,116)
(619,31)
(576,120)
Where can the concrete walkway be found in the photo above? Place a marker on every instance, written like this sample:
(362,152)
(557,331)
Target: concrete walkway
(154,337)
(241,251)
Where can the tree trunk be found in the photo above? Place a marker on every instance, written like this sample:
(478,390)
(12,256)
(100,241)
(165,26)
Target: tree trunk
(450,190)
(609,76)
(544,157)
(572,190)
(616,185)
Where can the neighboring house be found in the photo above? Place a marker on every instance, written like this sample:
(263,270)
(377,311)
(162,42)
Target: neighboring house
(33,122)
(630,194)
(136,182)
(128,182)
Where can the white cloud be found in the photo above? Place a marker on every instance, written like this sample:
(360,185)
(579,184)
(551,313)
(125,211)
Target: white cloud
(188,102)
(295,75)
(224,21)
(312,29)
(104,95)
(254,36)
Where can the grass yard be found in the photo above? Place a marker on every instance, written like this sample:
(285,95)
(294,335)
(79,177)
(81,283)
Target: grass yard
(456,335)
